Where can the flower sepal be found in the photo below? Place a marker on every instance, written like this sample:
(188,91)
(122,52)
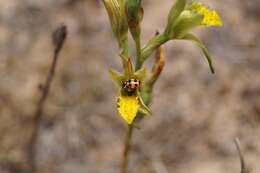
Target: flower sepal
(116,77)
(144,109)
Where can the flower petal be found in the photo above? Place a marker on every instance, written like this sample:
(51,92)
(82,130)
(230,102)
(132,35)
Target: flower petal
(116,77)
(143,108)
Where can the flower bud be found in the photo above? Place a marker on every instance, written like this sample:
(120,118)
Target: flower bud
(116,13)
(134,14)
(174,13)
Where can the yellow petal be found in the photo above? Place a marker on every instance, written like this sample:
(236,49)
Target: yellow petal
(210,17)
(127,107)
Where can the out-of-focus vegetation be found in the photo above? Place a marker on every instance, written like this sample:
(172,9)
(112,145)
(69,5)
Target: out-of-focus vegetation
(196,114)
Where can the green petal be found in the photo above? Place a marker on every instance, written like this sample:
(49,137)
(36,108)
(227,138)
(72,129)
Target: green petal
(116,77)
(140,74)
(145,111)
(193,38)
(143,108)
(129,70)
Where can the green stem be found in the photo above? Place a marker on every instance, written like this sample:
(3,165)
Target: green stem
(148,48)
(127,148)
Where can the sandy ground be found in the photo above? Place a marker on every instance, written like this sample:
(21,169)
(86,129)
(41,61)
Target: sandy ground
(196,115)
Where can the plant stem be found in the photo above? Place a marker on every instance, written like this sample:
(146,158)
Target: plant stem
(148,48)
(127,148)
(158,65)
(59,36)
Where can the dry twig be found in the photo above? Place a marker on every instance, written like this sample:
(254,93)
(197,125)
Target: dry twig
(158,64)
(58,38)
(241,157)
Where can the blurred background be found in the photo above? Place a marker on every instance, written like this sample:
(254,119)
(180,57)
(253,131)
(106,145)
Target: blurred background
(196,115)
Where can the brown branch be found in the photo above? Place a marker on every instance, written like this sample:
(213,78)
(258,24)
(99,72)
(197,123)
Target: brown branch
(158,64)
(241,157)
(58,38)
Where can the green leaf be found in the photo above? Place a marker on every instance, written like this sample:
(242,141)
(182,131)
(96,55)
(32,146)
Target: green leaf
(175,12)
(193,38)
(116,77)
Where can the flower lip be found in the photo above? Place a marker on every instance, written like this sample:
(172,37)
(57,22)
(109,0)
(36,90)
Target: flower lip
(210,17)
(128,107)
